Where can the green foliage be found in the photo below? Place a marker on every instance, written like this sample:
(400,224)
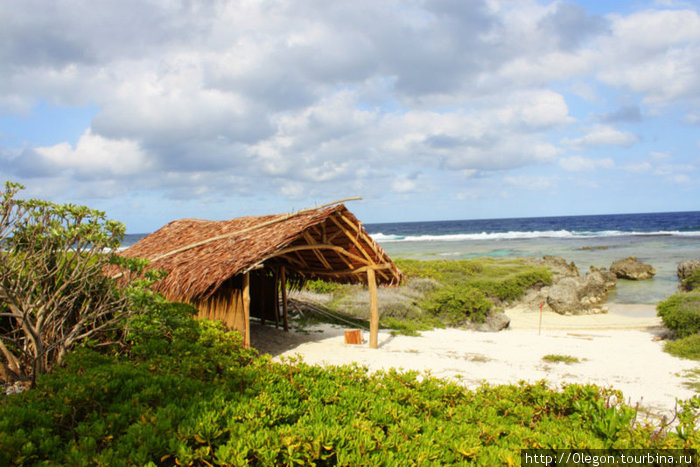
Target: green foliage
(457,304)
(410,327)
(681,313)
(54,292)
(500,279)
(442,270)
(439,292)
(686,347)
(555,358)
(202,400)
(323,287)
(691,282)
(468,288)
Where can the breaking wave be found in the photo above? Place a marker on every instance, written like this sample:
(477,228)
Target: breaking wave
(514,235)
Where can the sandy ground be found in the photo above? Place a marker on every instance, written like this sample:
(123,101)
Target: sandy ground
(620,349)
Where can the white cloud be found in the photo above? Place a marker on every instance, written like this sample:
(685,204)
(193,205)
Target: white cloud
(536,182)
(96,156)
(654,53)
(580,164)
(306,99)
(639,167)
(404,184)
(602,135)
(659,156)
(682,179)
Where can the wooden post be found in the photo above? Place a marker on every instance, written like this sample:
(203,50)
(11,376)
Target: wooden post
(283,277)
(277,298)
(373,309)
(246,309)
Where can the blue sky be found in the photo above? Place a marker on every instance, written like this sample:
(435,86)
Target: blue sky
(429,110)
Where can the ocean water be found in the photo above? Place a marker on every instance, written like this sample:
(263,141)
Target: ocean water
(660,239)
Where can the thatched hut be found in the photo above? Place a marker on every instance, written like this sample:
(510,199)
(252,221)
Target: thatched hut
(232,270)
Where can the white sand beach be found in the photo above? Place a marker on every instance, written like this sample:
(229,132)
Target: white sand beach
(621,349)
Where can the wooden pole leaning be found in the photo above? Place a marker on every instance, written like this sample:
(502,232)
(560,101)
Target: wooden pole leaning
(283,280)
(246,309)
(373,309)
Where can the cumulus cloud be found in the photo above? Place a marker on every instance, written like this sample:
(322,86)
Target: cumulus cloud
(580,164)
(654,53)
(602,135)
(92,157)
(307,99)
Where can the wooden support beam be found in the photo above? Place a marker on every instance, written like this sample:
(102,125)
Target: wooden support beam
(276,276)
(352,238)
(311,241)
(317,246)
(373,310)
(283,278)
(345,272)
(368,240)
(294,261)
(332,236)
(246,309)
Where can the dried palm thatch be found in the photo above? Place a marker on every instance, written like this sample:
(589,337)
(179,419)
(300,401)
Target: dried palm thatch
(200,256)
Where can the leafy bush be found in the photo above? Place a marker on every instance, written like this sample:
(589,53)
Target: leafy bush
(410,327)
(458,304)
(691,282)
(54,293)
(441,291)
(323,287)
(202,400)
(556,358)
(681,313)
(687,347)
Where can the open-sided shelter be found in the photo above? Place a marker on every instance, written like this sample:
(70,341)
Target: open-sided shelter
(232,270)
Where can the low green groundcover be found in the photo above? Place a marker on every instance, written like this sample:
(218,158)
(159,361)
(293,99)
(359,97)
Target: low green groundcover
(185,393)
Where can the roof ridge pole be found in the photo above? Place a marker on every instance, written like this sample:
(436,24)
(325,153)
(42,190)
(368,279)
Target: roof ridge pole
(373,309)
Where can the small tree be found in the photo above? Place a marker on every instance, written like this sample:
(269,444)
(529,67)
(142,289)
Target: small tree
(53,289)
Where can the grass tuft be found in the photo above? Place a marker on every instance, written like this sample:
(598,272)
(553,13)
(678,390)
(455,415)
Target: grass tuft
(555,358)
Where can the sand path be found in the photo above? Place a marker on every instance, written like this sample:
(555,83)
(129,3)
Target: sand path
(618,349)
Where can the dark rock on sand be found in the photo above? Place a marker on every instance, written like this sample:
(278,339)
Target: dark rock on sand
(495,321)
(630,268)
(686,268)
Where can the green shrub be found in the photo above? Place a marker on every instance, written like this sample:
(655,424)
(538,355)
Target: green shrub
(450,291)
(556,358)
(410,326)
(202,400)
(501,279)
(691,282)
(458,304)
(687,347)
(681,313)
(323,287)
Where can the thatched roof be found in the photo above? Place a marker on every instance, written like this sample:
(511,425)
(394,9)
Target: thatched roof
(200,255)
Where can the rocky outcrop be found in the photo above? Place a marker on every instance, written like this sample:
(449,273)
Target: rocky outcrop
(630,268)
(686,268)
(559,266)
(581,295)
(495,321)
(570,293)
